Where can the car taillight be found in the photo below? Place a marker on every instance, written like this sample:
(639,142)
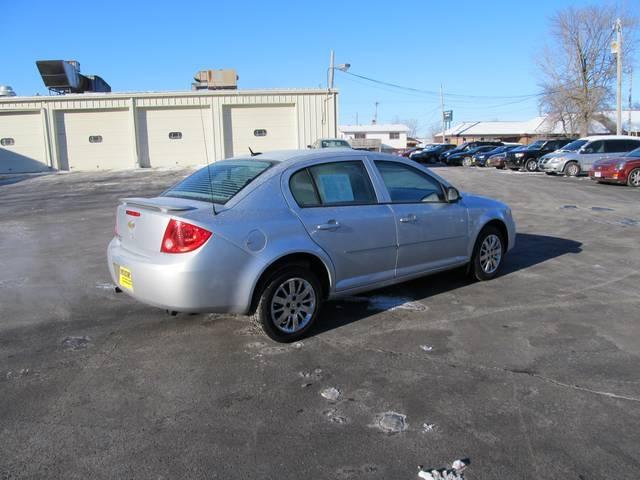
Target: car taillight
(182,237)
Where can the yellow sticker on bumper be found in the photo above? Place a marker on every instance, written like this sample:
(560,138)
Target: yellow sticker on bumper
(126,280)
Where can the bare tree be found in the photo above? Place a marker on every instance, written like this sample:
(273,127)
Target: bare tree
(411,123)
(578,68)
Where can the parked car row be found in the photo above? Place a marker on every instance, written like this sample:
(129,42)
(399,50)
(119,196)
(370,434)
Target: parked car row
(605,158)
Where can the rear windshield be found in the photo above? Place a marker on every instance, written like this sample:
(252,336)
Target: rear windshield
(334,144)
(218,182)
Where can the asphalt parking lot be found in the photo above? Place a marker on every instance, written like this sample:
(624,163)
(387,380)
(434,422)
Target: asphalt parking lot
(532,375)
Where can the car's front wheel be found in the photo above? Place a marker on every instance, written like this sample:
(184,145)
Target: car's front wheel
(531,165)
(466,162)
(289,304)
(572,169)
(634,178)
(488,253)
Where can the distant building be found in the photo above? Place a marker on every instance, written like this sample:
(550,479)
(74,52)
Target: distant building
(391,137)
(527,131)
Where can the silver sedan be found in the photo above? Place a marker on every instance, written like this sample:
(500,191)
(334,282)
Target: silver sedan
(276,235)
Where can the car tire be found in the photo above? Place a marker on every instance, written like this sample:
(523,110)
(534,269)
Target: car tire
(531,165)
(466,162)
(550,173)
(571,169)
(488,254)
(293,288)
(633,180)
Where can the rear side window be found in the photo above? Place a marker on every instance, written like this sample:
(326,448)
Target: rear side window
(332,184)
(220,181)
(303,189)
(408,185)
(617,146)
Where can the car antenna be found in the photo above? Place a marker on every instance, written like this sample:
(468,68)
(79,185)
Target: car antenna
(253,154)
(206,154)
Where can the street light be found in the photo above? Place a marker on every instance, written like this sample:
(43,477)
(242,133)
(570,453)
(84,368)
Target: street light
(343,67)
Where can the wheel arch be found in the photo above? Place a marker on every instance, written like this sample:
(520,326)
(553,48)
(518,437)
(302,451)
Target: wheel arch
(303,259)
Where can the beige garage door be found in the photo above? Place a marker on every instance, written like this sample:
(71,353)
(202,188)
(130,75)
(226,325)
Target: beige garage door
(260,127)
(94,139)
(22,143)
(170,137)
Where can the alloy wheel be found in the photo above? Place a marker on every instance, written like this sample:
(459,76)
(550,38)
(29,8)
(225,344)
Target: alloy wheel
(293,305)
(634,178)
(573,170)
(490,253)
(531,166)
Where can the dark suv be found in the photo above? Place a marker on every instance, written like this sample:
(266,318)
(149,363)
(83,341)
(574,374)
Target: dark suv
(526,158)
(467,146)
(431,154)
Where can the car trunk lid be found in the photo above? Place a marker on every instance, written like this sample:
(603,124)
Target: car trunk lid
(142,222)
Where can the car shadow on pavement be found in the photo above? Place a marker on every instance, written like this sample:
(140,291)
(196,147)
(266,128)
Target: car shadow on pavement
(530,250)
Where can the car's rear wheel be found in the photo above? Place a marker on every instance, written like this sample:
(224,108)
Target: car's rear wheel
(289,304)
(572,169)
(466,162)
(488,253)
(634,178)
(531,165)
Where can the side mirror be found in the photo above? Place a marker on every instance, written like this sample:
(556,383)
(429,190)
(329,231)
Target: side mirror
(453,195)
(587,150)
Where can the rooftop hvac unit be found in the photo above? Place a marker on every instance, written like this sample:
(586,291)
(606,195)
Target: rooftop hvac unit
(63,76)
(6,91)
(215,80)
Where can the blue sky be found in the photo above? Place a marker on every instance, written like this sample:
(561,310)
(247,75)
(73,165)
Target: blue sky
(484,48)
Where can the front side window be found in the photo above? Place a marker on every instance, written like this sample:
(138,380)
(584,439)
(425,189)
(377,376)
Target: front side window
(220,181)
(405,184)
(595,147)
(332,184)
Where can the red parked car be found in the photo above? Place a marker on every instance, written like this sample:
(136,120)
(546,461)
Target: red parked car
(624,170)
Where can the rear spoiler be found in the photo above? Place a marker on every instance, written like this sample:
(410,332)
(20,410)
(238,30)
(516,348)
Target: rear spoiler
(155,204)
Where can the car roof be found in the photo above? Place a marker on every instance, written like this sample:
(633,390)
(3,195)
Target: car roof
(609,137)
(294,156)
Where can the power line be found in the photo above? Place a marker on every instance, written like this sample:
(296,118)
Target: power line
(434,93)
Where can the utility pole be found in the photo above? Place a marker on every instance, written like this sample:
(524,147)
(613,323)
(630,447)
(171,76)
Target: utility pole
(618,28)
(331,72)
(375,115)
(442,111)
(630,102)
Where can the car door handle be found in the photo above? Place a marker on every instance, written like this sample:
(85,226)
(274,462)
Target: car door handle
(330,225)
(411,218)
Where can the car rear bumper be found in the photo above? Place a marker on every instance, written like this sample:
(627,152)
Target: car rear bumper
(184,283)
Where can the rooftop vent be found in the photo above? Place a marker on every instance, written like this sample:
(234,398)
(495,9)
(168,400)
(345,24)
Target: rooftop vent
(63,76)
(215,80)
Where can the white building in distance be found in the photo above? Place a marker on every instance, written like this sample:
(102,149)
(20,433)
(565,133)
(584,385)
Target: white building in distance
(390,137)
